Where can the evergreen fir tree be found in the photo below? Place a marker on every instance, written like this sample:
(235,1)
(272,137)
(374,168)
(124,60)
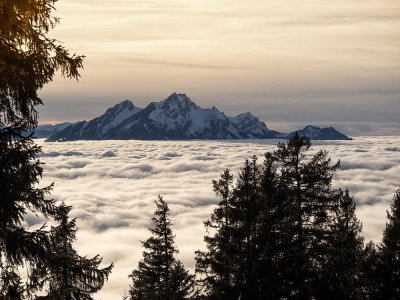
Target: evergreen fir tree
(227,270)
(309,189)
(65,274)
(19,176)
(159,275)
(343,254)
(246,210)
(275,234)
(368,277)
(181,283)
(389,251)
(217,267)
(269,237)
(28,61)
(223,189)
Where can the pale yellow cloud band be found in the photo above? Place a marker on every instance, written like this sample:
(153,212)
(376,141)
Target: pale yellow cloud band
(255,50)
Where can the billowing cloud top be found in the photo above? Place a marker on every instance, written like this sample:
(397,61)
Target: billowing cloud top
(112,186)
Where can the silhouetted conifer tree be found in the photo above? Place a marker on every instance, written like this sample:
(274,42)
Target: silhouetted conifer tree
(245,208)
(19,176)
(228,268)
(308,187)
(340,269)
(28,60)
(268,237)
(369,277)
(389,249)
(223,189)
(65,274)
(220,282)
(159,275)
(275,234)
(181,283)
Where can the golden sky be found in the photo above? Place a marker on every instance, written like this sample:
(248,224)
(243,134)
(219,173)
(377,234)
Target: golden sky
(297,61)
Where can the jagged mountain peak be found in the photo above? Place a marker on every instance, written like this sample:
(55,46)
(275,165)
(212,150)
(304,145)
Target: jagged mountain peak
(216,110)
(128,104)
(311,127)
(178,101)
(247,116)
(118,113)
(174,111)
(176,117)
(177,96)
(97,128)
(248,119)
(125,102)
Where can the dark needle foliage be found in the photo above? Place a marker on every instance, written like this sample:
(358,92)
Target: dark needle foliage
(159,275)
(281,231)
(29,59)
(389,269)
(65,273)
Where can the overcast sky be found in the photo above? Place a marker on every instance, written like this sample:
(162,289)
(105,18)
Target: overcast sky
(291,63)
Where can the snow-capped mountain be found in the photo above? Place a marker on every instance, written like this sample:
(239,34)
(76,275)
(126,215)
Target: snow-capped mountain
(317,133)
(99,127)
(177,117)
(248,123)
(174,118)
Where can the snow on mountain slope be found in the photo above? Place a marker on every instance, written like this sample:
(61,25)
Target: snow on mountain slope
(116,115)
(175,118)
(97,128)
(253,127)
(178,117)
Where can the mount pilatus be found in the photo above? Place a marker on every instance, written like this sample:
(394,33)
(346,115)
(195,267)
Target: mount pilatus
(175,118)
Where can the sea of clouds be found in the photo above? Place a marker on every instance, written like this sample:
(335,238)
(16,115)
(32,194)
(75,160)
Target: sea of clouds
(112,186)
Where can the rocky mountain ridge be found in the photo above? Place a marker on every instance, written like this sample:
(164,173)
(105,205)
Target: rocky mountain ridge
(177,118)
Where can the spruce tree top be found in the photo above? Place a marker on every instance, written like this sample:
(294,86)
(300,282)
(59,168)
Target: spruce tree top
(28,58)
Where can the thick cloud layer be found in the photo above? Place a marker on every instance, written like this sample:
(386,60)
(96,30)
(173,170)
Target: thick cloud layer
(112,186)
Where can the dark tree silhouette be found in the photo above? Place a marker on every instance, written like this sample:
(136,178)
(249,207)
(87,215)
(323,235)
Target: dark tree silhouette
(220,282)
(159,275)
(344,252)
(28,58)
(269,234)
(65,273)
(276,234)
(308,187)
(389,267)
(368,277)
(228,267)
(28,61)
(181,283)
(19,176)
